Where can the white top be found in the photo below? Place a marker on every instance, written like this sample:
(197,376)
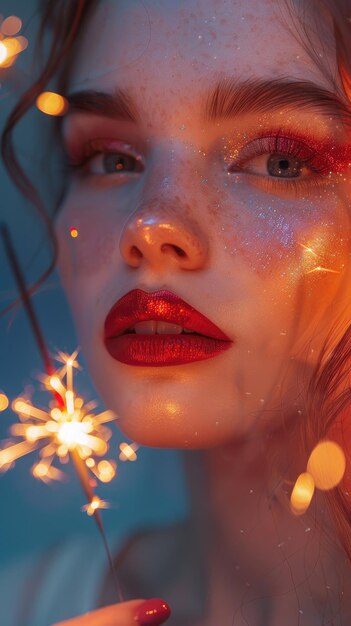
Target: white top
(59,584)
(73,578)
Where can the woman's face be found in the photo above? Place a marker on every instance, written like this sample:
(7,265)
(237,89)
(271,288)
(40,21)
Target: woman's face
(225,184)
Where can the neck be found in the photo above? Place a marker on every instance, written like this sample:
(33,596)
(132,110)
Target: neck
(267,567)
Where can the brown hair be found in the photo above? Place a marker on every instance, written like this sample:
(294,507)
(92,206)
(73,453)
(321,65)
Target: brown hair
(65,19)
(327,406)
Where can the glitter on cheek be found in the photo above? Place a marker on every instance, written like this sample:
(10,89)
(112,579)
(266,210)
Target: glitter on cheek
(259,231)
(276,235)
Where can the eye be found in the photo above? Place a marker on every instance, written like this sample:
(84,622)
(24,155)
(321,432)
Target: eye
(278,165)
(112,163)
(278,156)
(282,163)
(102,157)
(285,166)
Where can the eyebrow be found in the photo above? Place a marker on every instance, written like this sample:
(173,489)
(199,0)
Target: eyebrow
(227,98)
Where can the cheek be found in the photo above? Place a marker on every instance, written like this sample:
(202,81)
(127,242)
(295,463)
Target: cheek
(92,251)
(293,241)
(298,251)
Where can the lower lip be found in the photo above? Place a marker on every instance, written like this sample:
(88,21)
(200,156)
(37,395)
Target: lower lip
(160,350)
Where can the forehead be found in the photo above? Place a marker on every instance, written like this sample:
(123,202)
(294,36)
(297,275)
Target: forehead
(163,48)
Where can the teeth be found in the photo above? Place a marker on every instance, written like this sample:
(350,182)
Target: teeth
(161,328)
(165,328)
(145,328)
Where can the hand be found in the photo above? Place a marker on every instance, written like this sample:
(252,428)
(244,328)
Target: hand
(132,613)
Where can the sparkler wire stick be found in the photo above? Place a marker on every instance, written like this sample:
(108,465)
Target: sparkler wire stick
(86,486)
(80,467)
(10,252)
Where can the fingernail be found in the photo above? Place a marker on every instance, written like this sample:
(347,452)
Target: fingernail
(154,612)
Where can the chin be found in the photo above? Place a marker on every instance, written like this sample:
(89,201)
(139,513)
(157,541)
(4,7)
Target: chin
(195,406)
(158,432)
(171,415)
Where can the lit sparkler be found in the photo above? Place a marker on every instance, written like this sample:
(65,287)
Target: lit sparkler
(69,430)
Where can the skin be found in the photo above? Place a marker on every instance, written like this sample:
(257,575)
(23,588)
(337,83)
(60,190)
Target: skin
(255,288)
(250,267)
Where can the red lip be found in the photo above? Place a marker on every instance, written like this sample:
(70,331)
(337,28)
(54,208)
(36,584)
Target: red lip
(160,350)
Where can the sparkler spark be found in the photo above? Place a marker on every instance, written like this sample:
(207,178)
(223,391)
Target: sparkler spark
(128,451)
(61,431)
(95,504)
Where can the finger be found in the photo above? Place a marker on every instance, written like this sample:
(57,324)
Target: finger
(114,615)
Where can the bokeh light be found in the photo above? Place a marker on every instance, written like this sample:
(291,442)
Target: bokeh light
(11,26)
(327,465)
(3,52)
(10,49)
(11,44)
(302,493)
(51,103)
(73,232)
(23,41)
(4,402)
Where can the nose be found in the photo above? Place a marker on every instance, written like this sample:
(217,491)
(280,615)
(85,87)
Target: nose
(161,235)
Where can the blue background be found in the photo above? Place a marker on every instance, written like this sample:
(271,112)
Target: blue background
(32,514)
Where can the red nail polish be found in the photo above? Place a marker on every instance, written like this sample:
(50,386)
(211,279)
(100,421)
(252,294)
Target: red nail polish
(153,612)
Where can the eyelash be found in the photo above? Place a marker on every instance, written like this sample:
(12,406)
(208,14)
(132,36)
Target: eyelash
(101,147)
(321,159)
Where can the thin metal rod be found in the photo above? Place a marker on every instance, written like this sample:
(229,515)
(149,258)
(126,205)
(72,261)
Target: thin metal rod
(17,272)
(83,476)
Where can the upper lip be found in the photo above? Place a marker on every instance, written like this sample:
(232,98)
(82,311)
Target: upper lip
(139,306)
